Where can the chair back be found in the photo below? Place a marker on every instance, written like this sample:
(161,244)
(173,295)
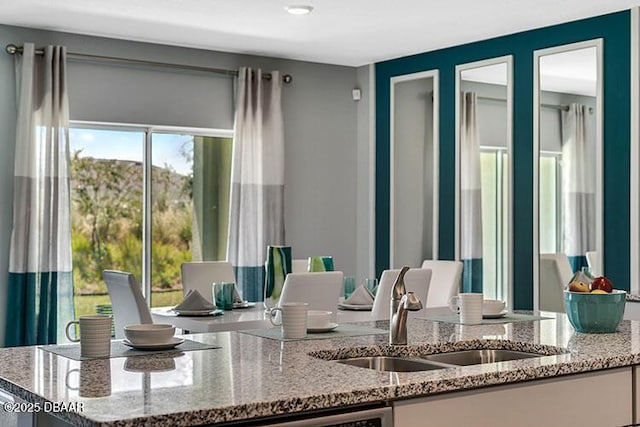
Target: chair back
(201,275)
(129,306)
(592,262)
(445,281)
(416,280)
(321,290)
(555,273)
(299,265)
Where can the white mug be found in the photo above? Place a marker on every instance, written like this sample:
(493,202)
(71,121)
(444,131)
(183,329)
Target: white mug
(95,335)
(470,307)
(293,319)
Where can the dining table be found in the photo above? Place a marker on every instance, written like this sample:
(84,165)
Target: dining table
(253,317)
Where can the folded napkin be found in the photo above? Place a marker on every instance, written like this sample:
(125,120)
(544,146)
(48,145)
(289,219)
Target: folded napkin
(194,301)
(236,295)
(361,296)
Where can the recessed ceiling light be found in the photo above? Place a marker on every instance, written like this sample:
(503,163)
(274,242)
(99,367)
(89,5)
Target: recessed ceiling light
(298,9)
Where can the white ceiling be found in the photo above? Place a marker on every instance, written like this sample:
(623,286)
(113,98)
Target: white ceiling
(345,32)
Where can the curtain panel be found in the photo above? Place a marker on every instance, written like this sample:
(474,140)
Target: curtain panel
(578,186)
(470,195)
(40,290)
(256,213)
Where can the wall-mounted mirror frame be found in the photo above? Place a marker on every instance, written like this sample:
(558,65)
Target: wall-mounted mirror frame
(433,76)
(599,184)
(508,190)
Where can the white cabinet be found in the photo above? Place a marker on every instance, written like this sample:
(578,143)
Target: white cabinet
(602,398)
(632,310)
(636,395)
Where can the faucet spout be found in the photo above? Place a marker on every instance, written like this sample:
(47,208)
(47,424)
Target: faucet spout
(401,303)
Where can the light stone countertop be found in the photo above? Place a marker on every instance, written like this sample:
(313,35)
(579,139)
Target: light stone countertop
(250,377)
(633,298)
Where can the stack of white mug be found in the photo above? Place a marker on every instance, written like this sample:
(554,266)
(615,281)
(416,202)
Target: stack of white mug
(95,335)
(470,307)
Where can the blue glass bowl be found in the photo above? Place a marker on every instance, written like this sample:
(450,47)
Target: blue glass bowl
(595,313)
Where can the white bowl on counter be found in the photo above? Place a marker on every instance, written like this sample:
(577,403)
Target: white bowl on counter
(149,333)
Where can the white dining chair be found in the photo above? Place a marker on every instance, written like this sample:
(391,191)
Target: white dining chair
(299,266)
(201,275)
(445,281)
(555,274)
(127,301)
(416,280)
(592,262)
(321,290)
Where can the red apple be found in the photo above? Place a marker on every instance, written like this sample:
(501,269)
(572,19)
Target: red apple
(602,283)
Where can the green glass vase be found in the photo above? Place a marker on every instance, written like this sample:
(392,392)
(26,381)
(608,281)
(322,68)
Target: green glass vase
(277,266)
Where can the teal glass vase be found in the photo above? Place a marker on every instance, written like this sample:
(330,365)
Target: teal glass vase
(276,268)
(318,264)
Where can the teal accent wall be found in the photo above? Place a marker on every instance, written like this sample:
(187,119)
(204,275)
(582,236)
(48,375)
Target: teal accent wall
(614,29)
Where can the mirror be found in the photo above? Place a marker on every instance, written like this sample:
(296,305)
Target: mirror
(413,226)
(567,168)
(483,230)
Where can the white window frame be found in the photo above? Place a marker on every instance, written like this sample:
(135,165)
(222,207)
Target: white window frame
(148,130)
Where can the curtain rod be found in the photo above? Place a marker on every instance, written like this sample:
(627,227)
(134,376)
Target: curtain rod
(554,106)
(12,49)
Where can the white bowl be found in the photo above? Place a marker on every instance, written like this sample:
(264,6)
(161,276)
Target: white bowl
(492,306)
(149,333)
(317,319)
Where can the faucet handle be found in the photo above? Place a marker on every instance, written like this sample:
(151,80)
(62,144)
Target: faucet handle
(411,302)
(398,289)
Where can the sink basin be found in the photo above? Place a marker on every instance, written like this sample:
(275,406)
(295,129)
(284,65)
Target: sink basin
(392,364)
(475,357)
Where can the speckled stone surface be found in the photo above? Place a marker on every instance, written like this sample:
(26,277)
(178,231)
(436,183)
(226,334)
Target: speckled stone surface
(633,297)
(249,377)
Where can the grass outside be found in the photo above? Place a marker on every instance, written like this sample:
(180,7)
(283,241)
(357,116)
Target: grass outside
(86,304)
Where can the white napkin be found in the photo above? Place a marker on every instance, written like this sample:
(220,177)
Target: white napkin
(194,301)
(361,296)
(236,295)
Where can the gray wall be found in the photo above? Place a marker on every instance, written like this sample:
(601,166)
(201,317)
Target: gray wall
(366,173)
(322,160)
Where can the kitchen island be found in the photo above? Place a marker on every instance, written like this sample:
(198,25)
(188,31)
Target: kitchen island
(252,379)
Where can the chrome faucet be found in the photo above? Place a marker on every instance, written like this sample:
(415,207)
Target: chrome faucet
(401,302)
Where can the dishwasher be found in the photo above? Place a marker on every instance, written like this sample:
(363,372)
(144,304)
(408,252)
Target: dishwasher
(354,417)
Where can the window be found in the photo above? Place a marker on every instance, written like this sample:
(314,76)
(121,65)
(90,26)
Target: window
(145,200)
(494,222)
(550,200)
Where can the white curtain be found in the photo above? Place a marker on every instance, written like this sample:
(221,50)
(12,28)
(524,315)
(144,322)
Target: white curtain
(470,195)
(40,294)
(256,213)
(578,186)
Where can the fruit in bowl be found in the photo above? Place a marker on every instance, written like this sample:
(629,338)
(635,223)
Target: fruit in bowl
(601,283)
(598,285)
(577,286)
(595,312)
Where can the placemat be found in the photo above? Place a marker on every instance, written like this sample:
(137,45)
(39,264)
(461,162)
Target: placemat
(72,351)
(343,330)
(508,318)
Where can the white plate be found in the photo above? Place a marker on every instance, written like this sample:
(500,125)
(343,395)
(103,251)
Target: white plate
(213,312)
(244,304)
(329,328)
(494,315)
(357,307)
(175,341)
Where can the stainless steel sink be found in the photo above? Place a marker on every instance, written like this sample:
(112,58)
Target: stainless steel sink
(392,364)
(475,357)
